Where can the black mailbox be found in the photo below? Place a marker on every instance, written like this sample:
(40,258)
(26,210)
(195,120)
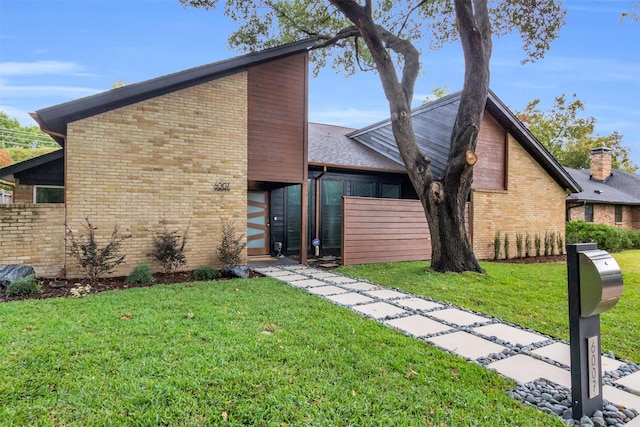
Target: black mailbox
(600,282)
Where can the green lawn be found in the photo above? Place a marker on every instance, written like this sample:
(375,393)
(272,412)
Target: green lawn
(532,295)
(253,352)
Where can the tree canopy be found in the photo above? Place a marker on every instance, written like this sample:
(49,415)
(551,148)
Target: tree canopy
(570,137)
(382,35)
(19,143)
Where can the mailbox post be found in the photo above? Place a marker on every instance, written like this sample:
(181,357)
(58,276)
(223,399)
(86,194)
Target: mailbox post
(594,285)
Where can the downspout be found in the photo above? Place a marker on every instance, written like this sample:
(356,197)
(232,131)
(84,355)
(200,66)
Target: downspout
(317,231)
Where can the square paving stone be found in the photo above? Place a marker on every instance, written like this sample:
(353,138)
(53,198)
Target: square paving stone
(621,397)
(386,294)
(525,369)
(419,304)
(307,283)
(379,310)
(350,298)
(293,278)
(458,317)
(633,423)
(279,274)
(631,381)
(510,334)
(561,352)
(418,326)
(326,290)
(360,286)
(466,345)
(323,275)
(340,279)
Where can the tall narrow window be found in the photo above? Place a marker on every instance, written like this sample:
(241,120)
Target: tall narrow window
(618,213)
(294,202)
(331,214)
(588,213)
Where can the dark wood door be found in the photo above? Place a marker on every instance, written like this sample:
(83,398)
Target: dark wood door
(258,223)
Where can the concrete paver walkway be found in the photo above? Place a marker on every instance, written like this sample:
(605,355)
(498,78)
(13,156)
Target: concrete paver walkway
(459,331)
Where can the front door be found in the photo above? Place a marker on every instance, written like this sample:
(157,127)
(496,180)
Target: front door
(258,223)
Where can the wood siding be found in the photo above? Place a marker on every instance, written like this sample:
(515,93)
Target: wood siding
(489,172)
(277,99)
(384,230)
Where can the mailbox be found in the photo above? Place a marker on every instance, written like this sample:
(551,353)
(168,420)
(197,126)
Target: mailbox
(600,282)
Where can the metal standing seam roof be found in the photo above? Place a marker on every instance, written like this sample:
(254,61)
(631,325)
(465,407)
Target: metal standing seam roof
(433,123)
(329,145)
(54,119)
(621,188)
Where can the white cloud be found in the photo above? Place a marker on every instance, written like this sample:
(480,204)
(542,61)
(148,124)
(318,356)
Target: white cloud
(40,68)
(24,91)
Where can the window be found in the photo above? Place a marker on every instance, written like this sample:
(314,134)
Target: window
(331,209)
(618,213)
(294,203)
(588,213)
(48,195)
(390,191)
(362,189)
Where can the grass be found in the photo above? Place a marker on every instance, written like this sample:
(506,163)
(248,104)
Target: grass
(243,352)
(532,295)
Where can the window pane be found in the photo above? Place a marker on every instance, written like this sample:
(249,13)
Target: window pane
(588,213)
(618,213)
(293,217)
(332,192)
(49,195)
(390,191)
(362,189)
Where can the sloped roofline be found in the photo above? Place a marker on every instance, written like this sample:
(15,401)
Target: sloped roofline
(510,122)
(54,120)
(31,163)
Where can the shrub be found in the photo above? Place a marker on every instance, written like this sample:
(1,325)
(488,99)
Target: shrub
(536,242)
(519,245)
(496,245)
(141,274)
(506,246)
(94,259)
(230,246)
(24,286)
(552,243)
(206,272)
(527,246)
(168,247)
(560,244)
(608,238)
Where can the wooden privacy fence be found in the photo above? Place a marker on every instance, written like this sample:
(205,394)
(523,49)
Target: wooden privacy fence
(5,197)
(384,230)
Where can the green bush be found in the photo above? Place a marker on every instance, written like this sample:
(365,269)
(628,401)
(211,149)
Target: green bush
(608,238)
(141,274)
(506,246)
(24,286)
(206,272)
(527,246)
(168,247)
(519,244)
(231,246)
(536,243)
(496,245)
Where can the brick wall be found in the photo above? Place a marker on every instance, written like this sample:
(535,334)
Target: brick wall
(606,214)
(533,203)
(33,235)
(161,158)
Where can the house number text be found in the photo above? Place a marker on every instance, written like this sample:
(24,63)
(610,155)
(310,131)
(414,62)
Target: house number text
(593,365)
(221,186)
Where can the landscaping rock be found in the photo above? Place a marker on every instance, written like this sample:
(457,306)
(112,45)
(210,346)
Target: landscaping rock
(12,272)
(240,271)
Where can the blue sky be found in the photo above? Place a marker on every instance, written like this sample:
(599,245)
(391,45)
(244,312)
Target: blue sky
(53,51)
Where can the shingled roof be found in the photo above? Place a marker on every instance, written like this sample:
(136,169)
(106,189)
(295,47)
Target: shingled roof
(54,119)
(329,146)
(433,123)
(621,188)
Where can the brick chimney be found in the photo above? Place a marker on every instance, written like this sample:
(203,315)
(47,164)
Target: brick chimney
(600,163)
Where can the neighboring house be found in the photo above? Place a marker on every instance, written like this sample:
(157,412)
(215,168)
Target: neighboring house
(609,196)
(231,140)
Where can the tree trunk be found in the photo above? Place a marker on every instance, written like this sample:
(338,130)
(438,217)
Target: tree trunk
(443,201)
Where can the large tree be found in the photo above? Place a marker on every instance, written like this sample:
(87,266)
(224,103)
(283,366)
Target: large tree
(570,137)
(22,142)
(380,35)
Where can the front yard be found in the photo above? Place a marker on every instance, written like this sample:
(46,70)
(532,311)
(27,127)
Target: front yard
(240,352)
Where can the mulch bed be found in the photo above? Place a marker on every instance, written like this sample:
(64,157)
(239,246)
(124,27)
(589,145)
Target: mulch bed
(534,260)
(55,289)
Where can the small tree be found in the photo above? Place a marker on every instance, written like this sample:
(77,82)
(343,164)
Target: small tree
(506,246)
(94,259)
(231,246)
(527,246)
(168,247)
(560,244)
(496,245)
(519,244)
(536,242)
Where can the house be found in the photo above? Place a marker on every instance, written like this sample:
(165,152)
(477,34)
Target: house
(609,196)
(231,140)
